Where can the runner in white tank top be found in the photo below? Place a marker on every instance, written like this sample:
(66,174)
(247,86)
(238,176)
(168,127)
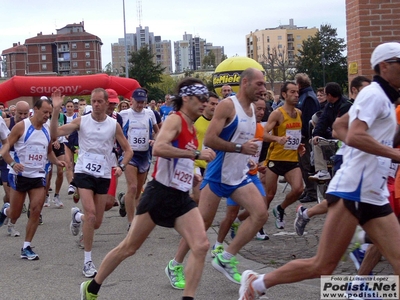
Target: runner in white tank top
(97,134)
(31,141)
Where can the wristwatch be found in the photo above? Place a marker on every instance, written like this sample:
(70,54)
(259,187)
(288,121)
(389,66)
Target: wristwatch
(197,154)
(122,167)
(12,164)
(238,148)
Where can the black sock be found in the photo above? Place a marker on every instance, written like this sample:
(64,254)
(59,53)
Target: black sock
(261,231)
(55,195)
(280,208)
(187,298)
(93,287)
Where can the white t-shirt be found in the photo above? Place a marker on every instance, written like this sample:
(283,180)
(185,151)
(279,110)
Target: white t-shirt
(362,176)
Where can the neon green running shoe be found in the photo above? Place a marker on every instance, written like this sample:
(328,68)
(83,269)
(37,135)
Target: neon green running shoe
(216,250)
(176,276)
(85,295)
(227,267)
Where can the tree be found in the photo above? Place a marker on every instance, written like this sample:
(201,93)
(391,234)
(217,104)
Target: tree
(146,72)
(108,69)
(166,85)
(209,61)
(322,59)
(277,66)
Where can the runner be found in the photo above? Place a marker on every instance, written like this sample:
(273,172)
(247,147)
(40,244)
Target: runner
(93,168)
(166,200)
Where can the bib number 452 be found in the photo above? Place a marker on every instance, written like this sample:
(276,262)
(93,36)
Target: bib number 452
(93,167)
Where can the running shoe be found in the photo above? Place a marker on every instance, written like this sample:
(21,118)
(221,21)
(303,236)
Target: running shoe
(71,189)
(246,291)
(121,200)
(28,254)
(47,202)
(227,267)
(2,215)
(279,222)
(176,276)
(322,175)
(357,256)
(216,250)
(57,201)
(79,241)
(85,295)
(300,222)
(12,231)
(262,236)
(40,219)
(89,270)
(24,210)
(234,229)
(76,197)
(74,226)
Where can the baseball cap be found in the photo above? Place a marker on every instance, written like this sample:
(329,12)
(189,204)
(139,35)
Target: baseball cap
(112,96)
(384,52)
(75,100)
(140,95)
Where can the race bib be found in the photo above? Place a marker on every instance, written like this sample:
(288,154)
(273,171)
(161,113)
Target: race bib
(94,163)
(35,156)
(294,138)
(393,170)
(183,175)
(380,175)
(139,139)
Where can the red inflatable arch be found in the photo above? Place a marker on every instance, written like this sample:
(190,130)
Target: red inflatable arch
(37,86)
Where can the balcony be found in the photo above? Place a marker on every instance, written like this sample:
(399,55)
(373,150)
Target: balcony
(61,59)
(63,49)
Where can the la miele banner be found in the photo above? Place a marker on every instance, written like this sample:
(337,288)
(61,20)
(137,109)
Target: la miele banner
(37,86)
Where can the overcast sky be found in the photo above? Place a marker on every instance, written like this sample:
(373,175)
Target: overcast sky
(223,23)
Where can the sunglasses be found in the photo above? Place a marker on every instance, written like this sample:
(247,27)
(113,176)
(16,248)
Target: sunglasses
(202,98)
(393,60)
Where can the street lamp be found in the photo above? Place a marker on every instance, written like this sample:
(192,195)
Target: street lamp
(126,44)
(323,61)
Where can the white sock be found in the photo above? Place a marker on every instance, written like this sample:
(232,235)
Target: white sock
(26,244)
(259,285)
(217,244)
(305,215)
(364,247)
(5,212)
(78,217)
(227,255)
(10,224)
(175,263)
(88,256)
(237,220)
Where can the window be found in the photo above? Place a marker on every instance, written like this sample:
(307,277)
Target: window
(44,66)
(267,39)
(88,64)
(43,48)
(279,37)
(74,55)
(75,64)
(73,45)
(87,54)
(298,46)
(298,37)
(87,45)
(43,56)
(279,46)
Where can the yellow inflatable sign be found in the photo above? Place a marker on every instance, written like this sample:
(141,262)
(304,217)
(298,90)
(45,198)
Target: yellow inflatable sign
(228,72)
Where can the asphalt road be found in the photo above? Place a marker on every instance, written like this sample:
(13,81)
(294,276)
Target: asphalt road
(57,275)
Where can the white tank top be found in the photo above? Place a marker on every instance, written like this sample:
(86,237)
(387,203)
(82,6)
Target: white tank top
(31,150)
(96,141)
(229,167)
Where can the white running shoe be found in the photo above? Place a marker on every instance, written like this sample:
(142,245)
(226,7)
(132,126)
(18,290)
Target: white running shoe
(71,189)
(89,270)
(47,202)
(58,202)
(12,231)
(74,226)
(320,175)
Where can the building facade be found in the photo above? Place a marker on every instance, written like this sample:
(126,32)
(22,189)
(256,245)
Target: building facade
(286,39)
(191,51)
(161,49)
(71,51)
